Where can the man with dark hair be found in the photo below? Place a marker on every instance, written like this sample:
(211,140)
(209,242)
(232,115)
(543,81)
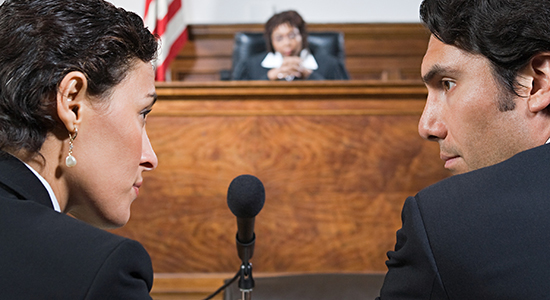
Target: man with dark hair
(481,234)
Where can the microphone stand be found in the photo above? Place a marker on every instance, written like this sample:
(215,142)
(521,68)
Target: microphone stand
(246,281)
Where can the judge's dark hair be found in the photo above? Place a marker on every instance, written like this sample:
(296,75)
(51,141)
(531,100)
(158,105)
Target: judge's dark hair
(290,17)
(508,32)
(41,41)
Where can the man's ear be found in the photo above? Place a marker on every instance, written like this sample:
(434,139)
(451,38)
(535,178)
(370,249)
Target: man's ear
(70,96)
(538,72)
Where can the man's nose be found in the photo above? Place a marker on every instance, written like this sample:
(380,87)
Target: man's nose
(431,126)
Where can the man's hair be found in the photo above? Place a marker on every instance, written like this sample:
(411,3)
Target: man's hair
(289,17)
(41,41)
(508,32)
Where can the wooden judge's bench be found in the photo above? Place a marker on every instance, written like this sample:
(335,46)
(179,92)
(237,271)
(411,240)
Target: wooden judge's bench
(337,160)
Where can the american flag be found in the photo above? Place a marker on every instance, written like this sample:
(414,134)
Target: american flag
(166,18)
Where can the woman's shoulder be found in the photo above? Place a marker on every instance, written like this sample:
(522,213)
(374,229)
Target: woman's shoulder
(30,219)
(330,67)
(258,58)
(325,58)
(54,252)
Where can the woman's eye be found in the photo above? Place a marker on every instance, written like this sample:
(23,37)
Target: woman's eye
(145,112)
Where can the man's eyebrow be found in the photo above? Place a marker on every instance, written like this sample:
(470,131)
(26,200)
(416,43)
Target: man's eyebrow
(439,70)
(435,70)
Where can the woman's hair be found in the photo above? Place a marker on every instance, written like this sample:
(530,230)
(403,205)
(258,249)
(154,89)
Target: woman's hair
(41,41)
(289,17)
(508,32)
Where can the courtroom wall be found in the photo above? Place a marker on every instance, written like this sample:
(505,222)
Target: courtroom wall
(313,11)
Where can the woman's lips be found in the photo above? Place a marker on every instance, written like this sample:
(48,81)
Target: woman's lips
(136,188)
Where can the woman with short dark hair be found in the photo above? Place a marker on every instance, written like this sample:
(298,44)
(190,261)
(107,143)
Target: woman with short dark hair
(288,56)
(76,85)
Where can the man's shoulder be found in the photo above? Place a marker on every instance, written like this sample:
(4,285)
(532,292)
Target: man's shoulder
(488,221)
(529,163)
(523,177)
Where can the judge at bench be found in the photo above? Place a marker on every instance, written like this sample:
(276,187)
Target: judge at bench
(288,57)
(76,85)
(481,234)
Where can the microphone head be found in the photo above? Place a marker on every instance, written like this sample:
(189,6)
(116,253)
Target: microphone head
(245,196)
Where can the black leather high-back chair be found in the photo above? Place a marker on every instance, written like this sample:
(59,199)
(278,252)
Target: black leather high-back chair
(247,44)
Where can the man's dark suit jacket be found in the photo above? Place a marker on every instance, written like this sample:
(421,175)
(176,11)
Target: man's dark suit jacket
(480,235)
(49,255)
(329,68)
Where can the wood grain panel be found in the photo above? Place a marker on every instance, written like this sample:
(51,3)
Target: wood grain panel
(337,160)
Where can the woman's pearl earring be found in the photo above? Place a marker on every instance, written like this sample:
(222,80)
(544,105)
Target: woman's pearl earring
(70,161)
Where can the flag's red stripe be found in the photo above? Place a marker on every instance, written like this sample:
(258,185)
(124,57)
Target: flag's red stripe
(147,4)
(174,49)
(163,23)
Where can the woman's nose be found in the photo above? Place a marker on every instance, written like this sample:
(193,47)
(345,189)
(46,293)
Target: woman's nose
(148,157)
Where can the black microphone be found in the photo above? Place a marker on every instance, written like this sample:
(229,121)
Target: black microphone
(245,198)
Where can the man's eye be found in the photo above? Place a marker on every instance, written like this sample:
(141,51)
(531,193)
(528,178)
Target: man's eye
(447,84)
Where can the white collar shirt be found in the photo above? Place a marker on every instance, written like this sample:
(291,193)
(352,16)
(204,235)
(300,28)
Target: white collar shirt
(275,60)
(55,203)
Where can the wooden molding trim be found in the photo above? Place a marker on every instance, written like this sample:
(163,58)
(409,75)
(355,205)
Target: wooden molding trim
(262,98)
(350,30)
(200,285)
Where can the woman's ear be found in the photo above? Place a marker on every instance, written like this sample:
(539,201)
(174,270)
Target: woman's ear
(539,75)
(70,96)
